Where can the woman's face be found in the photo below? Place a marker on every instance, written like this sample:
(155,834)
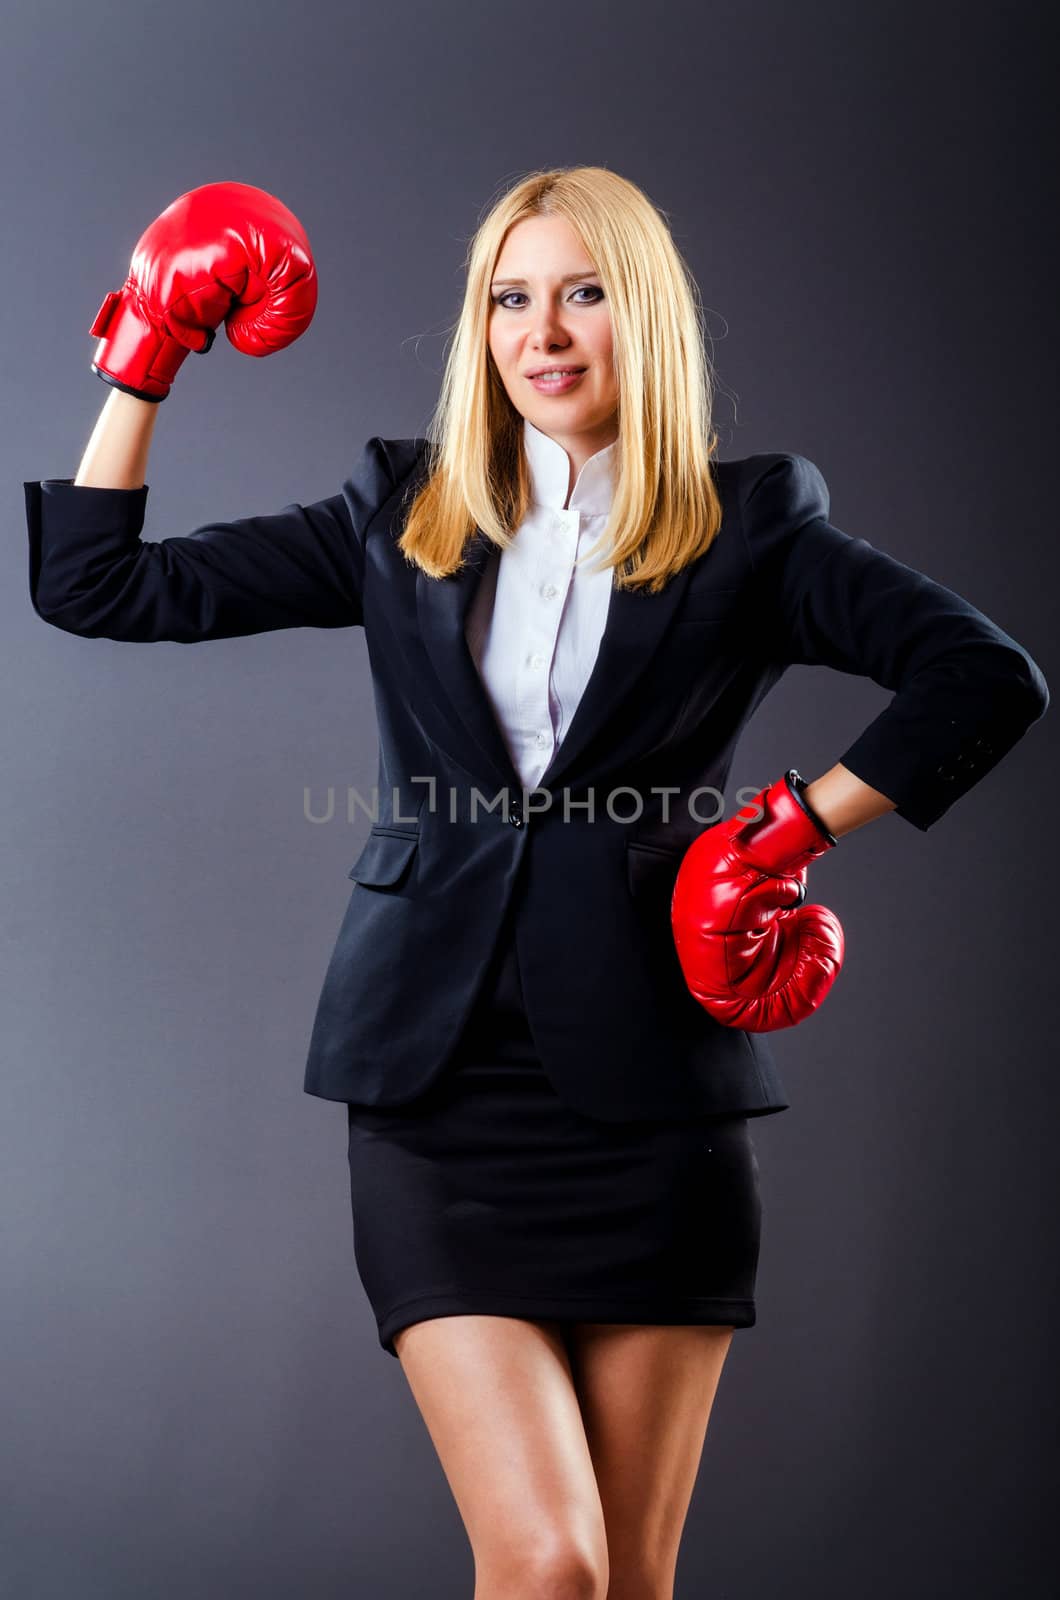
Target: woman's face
(548,310)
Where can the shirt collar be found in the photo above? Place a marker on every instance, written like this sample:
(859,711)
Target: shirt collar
(549,467)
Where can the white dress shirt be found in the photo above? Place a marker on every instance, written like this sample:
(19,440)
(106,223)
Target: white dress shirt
(535,623)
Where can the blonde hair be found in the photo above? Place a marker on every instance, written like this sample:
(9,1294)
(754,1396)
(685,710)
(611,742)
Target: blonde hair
(665,509)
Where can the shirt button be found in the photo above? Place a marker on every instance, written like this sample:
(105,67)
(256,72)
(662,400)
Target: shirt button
(537,661)
(542,738)
(550,591)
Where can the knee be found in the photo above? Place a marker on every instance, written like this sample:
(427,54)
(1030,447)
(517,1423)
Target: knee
(564,1571)
(644,1583)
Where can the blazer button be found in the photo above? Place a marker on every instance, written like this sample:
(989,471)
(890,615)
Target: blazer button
(515,816)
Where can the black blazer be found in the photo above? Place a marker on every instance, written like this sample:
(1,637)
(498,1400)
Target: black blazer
(677,677)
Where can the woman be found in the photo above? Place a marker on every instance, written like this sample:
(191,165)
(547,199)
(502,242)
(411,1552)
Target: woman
(555,1195)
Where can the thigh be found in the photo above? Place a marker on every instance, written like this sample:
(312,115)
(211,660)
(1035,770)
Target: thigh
(645,1395)
(497,1397)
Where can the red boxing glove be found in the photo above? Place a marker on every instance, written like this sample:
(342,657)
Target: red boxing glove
(226,252)
(752,954)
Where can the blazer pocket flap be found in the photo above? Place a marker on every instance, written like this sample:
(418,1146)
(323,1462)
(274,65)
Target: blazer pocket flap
(384,858)
(713,605)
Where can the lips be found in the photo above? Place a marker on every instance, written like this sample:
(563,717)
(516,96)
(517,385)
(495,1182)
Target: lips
(561,383)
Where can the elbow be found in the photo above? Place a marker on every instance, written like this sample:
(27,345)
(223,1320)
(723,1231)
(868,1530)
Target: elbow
(54,598)
(54,611)
(1041,702)
(71,613)
(1020,697)
(64,621)
(1033,689)
(1005,680)
(48,610)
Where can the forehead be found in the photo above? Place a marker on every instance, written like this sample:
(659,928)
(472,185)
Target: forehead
(545,247)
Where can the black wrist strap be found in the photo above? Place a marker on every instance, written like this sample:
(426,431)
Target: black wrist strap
(796,785)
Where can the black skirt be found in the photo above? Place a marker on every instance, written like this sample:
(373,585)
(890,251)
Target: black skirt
(489,1194)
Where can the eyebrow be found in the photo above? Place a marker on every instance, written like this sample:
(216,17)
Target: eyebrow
(589,272)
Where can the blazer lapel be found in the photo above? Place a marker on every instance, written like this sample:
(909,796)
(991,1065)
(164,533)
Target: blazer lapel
(441,607)
(635,626)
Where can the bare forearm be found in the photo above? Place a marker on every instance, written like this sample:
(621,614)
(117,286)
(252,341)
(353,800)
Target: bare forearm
(844,802)
(116,457)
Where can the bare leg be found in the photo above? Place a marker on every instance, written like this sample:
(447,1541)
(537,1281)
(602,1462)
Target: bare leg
(646,1395)
(498,1399)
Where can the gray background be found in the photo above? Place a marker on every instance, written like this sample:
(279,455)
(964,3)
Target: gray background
(195,1402)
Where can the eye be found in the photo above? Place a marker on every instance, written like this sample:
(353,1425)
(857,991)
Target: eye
(585,288)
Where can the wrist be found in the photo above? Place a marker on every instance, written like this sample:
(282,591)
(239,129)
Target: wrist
(798,786)
(788,836)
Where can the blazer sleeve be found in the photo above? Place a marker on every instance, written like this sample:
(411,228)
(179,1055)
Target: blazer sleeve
(964,691)
(91,574)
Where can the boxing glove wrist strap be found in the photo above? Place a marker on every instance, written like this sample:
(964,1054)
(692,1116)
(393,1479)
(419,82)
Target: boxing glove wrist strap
(797,786)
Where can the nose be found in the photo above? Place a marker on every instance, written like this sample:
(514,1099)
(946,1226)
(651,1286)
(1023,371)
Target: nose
(547,329)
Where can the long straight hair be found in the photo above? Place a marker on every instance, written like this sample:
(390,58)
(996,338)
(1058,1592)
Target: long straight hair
(665,510)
